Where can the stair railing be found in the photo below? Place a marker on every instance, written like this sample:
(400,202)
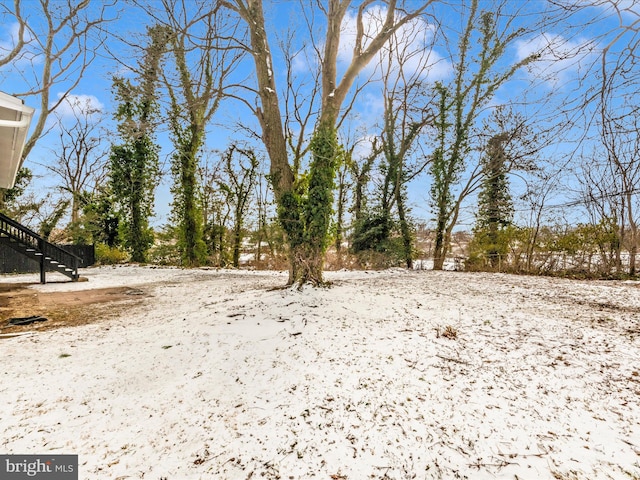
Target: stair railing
(35,241)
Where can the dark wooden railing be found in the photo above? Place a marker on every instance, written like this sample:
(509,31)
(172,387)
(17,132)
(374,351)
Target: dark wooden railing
(30,241)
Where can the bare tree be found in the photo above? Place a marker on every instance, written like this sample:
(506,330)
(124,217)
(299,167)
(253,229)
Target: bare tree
(609,170)
(619,125)
(609,178)
(80,155)
(622,147)
(7,56)
(262,194)
(407,111)
(56,43)
(600,195)
(216,211)
(535,204)
(361,171)
(237,186)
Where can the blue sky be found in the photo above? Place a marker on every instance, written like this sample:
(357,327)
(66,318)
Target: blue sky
(551,83)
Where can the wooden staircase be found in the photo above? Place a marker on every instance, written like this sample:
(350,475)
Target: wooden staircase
(26,242)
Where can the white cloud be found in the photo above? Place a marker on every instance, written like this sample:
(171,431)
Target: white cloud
(624,7)
(9,36)
(411,45)
(559,59)
(73,105)
(372,22)
(413,41)
(363,147)
(302,62)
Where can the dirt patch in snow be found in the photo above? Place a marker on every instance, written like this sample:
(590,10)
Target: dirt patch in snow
(62,309)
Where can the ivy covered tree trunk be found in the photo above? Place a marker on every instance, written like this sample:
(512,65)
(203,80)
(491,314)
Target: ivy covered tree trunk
(186,208)
(341,201)
(401,130)
(440,246)
(443,175)
(201,46)
(405,229)
(317,210)
(306,218)
(495,205)
(134,170)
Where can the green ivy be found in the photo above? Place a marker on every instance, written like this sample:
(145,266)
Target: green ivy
(318,207)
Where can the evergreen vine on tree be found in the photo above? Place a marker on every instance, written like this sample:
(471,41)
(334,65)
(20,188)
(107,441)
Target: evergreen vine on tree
(134,170)
(446,166)
(495,204)
(200,47)
(186,209)
(239,176)
(479,72)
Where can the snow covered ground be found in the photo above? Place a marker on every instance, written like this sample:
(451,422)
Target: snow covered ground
(385,375)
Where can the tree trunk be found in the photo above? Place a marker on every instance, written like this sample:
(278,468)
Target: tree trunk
(405,230)
(633,240)
(340,215)
(309,260)
(75,206)
(307,263)
(617,249)
(138,243)
(137,228)
(237,239)
(358,197)
(237,233)
(439,251)
(633,245)
(189,212)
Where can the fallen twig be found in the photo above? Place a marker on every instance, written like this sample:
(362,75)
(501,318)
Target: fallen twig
(455,360)
(502,464)
(524,455)
(16,334)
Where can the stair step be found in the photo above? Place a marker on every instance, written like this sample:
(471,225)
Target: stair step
(29,243)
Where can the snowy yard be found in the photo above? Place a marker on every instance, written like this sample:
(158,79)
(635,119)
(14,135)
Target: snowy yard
(385,375)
